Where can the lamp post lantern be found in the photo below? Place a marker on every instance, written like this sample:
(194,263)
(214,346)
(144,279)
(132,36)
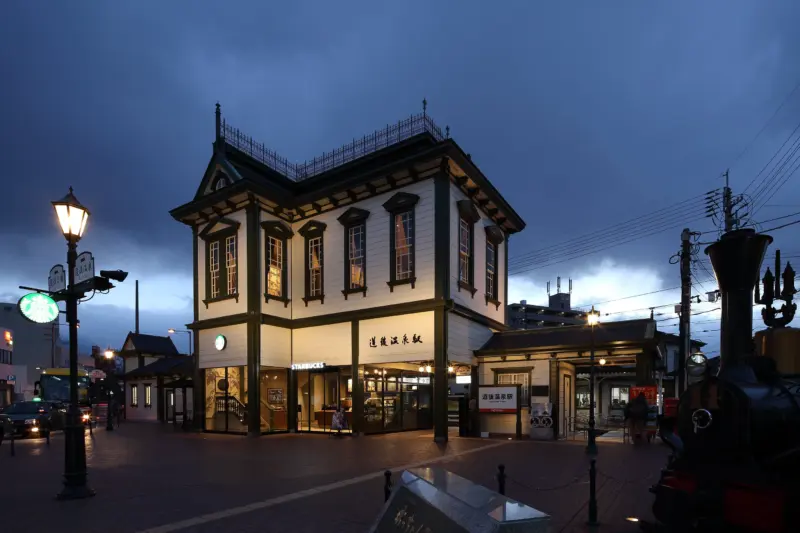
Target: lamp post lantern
(109,355)
(592,318)
(72,217)
(172,331)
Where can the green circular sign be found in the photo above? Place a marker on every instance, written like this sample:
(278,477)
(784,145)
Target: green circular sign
(220,342)
(38,308)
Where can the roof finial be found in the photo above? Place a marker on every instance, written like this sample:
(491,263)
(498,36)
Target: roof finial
(424,106)
(70,189)
(218,114)
(447,132)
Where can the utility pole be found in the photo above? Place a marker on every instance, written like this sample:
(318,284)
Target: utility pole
(686,300)
(727,204)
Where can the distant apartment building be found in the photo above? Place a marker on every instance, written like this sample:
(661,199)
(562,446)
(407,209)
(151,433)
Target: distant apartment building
(558,312)
(35,346)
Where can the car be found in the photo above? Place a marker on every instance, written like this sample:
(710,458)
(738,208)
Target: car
(31,419)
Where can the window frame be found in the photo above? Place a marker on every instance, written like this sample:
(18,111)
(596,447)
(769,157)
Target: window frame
(220,238)
(351,219)
(468,215)
(148,395)
(313,229)
(494,237)
(524,389)
(135,395)
(277,230)
(399,204)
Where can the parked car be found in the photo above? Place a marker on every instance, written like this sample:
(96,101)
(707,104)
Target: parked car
(32,419)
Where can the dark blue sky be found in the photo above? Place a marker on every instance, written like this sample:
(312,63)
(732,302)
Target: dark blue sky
(583,114)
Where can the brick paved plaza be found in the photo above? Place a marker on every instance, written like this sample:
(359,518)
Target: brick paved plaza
(150,478)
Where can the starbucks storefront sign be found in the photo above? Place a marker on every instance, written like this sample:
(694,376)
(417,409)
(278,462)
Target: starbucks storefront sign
(308,366)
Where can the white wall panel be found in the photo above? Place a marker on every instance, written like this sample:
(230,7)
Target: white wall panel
(329,344)
(235,352)
(463,337)
(420,324)
(276,346)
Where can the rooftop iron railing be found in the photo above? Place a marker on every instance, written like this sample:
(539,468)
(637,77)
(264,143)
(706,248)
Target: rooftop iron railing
(390,135)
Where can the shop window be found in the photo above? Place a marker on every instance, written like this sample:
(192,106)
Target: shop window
(274,399)
(222,274)
(5,357)
(134,395)
(401,239)
(277,236)
(620,396)
(355,251)
(468,216)
(312,232)
(494,237)
(147,395)
(225,399)
(515,378)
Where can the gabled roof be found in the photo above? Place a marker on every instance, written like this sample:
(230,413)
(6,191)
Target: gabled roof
(570,338)
(142,343)
(180,365)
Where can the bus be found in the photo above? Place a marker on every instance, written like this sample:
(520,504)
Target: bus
(53,388)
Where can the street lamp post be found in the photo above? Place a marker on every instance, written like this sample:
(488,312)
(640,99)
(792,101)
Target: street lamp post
(72,217)
(172,331)
(109,355)
(592,318)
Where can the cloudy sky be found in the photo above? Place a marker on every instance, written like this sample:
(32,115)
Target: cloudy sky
(585,115)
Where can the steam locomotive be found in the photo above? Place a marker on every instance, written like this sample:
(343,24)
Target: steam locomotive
(736,445)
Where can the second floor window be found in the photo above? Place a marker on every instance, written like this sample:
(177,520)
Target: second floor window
(403,245)
(491,271)
(315,267)
(222,267)
(312,232)
(464,250)
(275,267)
(357,256)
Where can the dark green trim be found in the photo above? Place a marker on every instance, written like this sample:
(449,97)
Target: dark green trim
(358,390)
(198,388)
(440,386)
(466,312)
(253,321)
(218,322)
(206,234)
(441,230)
(505,285)
(399,204)
(271,320)
(279,231)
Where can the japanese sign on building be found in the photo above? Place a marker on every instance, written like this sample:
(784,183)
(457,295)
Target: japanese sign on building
(375,342)
(498,399)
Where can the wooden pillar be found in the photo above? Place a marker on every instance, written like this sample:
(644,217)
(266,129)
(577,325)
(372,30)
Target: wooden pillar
(358,388)
(254,276)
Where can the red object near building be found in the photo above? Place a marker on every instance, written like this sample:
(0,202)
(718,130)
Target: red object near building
(670,407)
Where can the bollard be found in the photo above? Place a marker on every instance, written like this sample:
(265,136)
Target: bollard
(387,486)
(501,479)
(592,494)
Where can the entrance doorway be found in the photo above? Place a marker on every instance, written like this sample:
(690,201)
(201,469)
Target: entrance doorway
(396,400)
(320,393)
(567,400)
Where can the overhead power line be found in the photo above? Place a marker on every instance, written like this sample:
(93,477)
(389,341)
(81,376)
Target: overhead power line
(631,296)
(779,150)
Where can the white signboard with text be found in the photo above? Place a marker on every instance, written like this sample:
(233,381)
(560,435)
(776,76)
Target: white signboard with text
(396,339)
(57,279)
(503,399)
(84,267)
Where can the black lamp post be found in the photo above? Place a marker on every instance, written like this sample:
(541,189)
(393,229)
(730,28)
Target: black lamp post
(592,318)
(172,331)
(72,217)
(109,355)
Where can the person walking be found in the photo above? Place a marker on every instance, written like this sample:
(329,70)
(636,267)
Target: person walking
(636,415)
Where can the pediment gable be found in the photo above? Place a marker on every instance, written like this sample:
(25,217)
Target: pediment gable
(219,174)
(312,228)
(218,225)
(353,215)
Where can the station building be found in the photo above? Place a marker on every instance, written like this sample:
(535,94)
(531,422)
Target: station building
(359,280)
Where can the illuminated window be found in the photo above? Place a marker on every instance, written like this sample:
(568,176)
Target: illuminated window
(276,243)
(147,398)
(213,268)
(464,250)
(314,260)
(620,396)
(357,256)
(134,395)
(491,271)
(403,245)
(274,267)
(515,378)
(230,263)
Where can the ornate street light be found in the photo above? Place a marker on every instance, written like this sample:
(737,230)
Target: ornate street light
(72,217)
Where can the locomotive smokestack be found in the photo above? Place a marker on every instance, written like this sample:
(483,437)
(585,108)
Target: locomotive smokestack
(736,259)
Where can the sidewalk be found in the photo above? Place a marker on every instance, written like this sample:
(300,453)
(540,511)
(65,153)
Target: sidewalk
(148,476)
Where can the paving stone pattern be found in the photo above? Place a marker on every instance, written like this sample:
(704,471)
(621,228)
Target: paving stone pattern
(147,476)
